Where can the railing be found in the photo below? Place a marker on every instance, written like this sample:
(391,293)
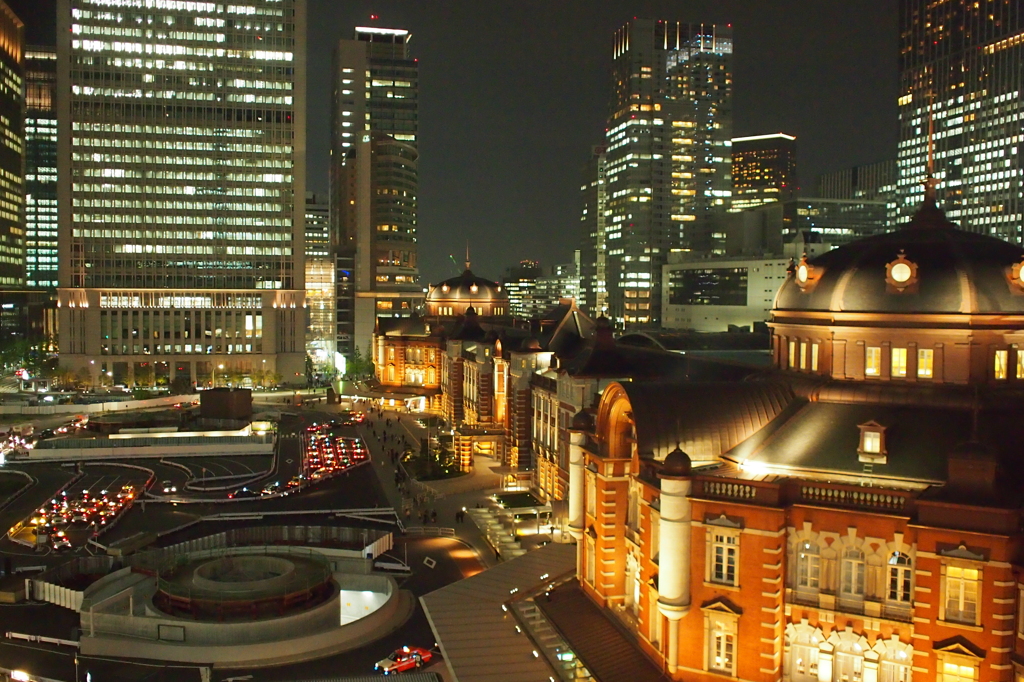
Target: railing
(850,496)
(430,530)
(738,491)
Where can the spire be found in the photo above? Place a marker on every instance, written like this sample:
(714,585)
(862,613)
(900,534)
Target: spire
(467,254)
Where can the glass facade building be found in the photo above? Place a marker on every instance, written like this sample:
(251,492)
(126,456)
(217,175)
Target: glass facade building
(374,177)
(181,185)
(41,167)
(320,290)
(961,78)
(12,150)
(763,170)
(666,166)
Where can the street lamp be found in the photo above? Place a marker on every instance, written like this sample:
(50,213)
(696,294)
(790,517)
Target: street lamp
(215,375)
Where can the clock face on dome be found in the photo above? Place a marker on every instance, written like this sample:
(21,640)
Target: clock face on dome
(801,273)
(901,272)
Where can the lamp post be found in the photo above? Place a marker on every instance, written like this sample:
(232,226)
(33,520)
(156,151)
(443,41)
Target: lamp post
(215,375)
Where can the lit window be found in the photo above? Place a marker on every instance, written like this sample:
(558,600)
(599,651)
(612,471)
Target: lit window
(871,441)
(814,357)
(792,353)
(925,363)
(722,641)
(851,578)
(724,555)
(803,355)
(895,671)
(951,672)
(1020,364)
(899,362)
(808,566)
(999,365)
(872,361)
(900,575)
(962,585)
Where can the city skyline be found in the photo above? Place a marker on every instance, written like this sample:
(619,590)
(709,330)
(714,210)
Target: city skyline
(504,171)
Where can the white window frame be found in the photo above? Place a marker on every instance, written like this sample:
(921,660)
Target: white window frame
(808,566)
(956,587)
(815,349)
(961,663)
(852,574)
(873,369)
(721,632)
(899,579)
(723,543)
(925,363)
(898,365)
(848,666)
(1000,364)
(895,671)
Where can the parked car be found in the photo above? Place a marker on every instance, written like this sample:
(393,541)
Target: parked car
(406,658)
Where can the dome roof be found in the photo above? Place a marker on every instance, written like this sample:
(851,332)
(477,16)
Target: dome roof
(677,463)
(929,266)
(582,421)
(465,288)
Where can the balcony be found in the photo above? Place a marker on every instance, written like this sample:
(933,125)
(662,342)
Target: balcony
(852,497)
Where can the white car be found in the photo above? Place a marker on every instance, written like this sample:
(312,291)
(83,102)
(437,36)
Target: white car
(169,487)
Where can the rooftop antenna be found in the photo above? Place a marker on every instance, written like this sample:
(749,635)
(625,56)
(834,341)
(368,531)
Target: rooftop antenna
(930,182)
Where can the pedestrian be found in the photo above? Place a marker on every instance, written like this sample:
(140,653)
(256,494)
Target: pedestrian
(433,516)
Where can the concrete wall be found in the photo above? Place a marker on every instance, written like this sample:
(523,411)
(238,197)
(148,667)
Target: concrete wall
(95,408)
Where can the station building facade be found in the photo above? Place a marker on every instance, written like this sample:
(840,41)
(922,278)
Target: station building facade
(852,514)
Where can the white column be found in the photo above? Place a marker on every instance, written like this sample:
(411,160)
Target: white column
(576,492)
(674,559)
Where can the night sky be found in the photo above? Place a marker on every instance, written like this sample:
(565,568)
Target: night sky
(513,93)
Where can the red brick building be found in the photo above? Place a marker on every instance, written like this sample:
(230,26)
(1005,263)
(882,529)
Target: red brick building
(852,514)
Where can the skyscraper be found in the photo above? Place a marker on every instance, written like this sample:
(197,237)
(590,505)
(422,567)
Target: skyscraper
(374,180)
(12,151)
(320,289)
(763,170)
(960,77)
(666,165)
(41,167)
(593,251)
(181,182)
(521,282)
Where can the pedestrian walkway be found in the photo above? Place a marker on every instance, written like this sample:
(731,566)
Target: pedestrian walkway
(446,501)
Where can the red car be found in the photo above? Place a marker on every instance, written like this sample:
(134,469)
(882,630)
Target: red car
(406,658)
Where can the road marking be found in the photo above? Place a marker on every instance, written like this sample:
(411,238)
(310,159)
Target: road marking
(288,461)
(429,563)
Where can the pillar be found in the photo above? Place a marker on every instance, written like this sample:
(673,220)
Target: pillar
(674,558)
(576,493)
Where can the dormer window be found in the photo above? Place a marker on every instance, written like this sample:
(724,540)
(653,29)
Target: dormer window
(872,443)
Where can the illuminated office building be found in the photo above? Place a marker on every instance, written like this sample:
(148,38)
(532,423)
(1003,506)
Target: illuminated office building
(593,295)
(960,76)
(181,185)
(320,284)
(666,163)
(374,178)
(763,170)
(520,284)
(12,150)
(41,167)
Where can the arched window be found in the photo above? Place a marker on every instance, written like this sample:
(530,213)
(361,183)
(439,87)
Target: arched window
(901,572)
(848,663)
(851,575)
(808,566)
(431,375)
(896,666)
(391,372)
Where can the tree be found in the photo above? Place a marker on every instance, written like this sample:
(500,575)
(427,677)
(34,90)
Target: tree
(84,377)
(276,378)
(181,384)
(259,377)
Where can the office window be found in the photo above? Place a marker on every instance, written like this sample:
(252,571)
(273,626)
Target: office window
(814,357)
(962,586)
(872,361)
(999,365)
(899,362)
(724,557)
(925,360)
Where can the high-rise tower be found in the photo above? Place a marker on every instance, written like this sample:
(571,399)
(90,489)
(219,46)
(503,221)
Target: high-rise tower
(961,79)
(12,151)
(41,167)
(181,186)
(666,162)
(763,170)
(374,180)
